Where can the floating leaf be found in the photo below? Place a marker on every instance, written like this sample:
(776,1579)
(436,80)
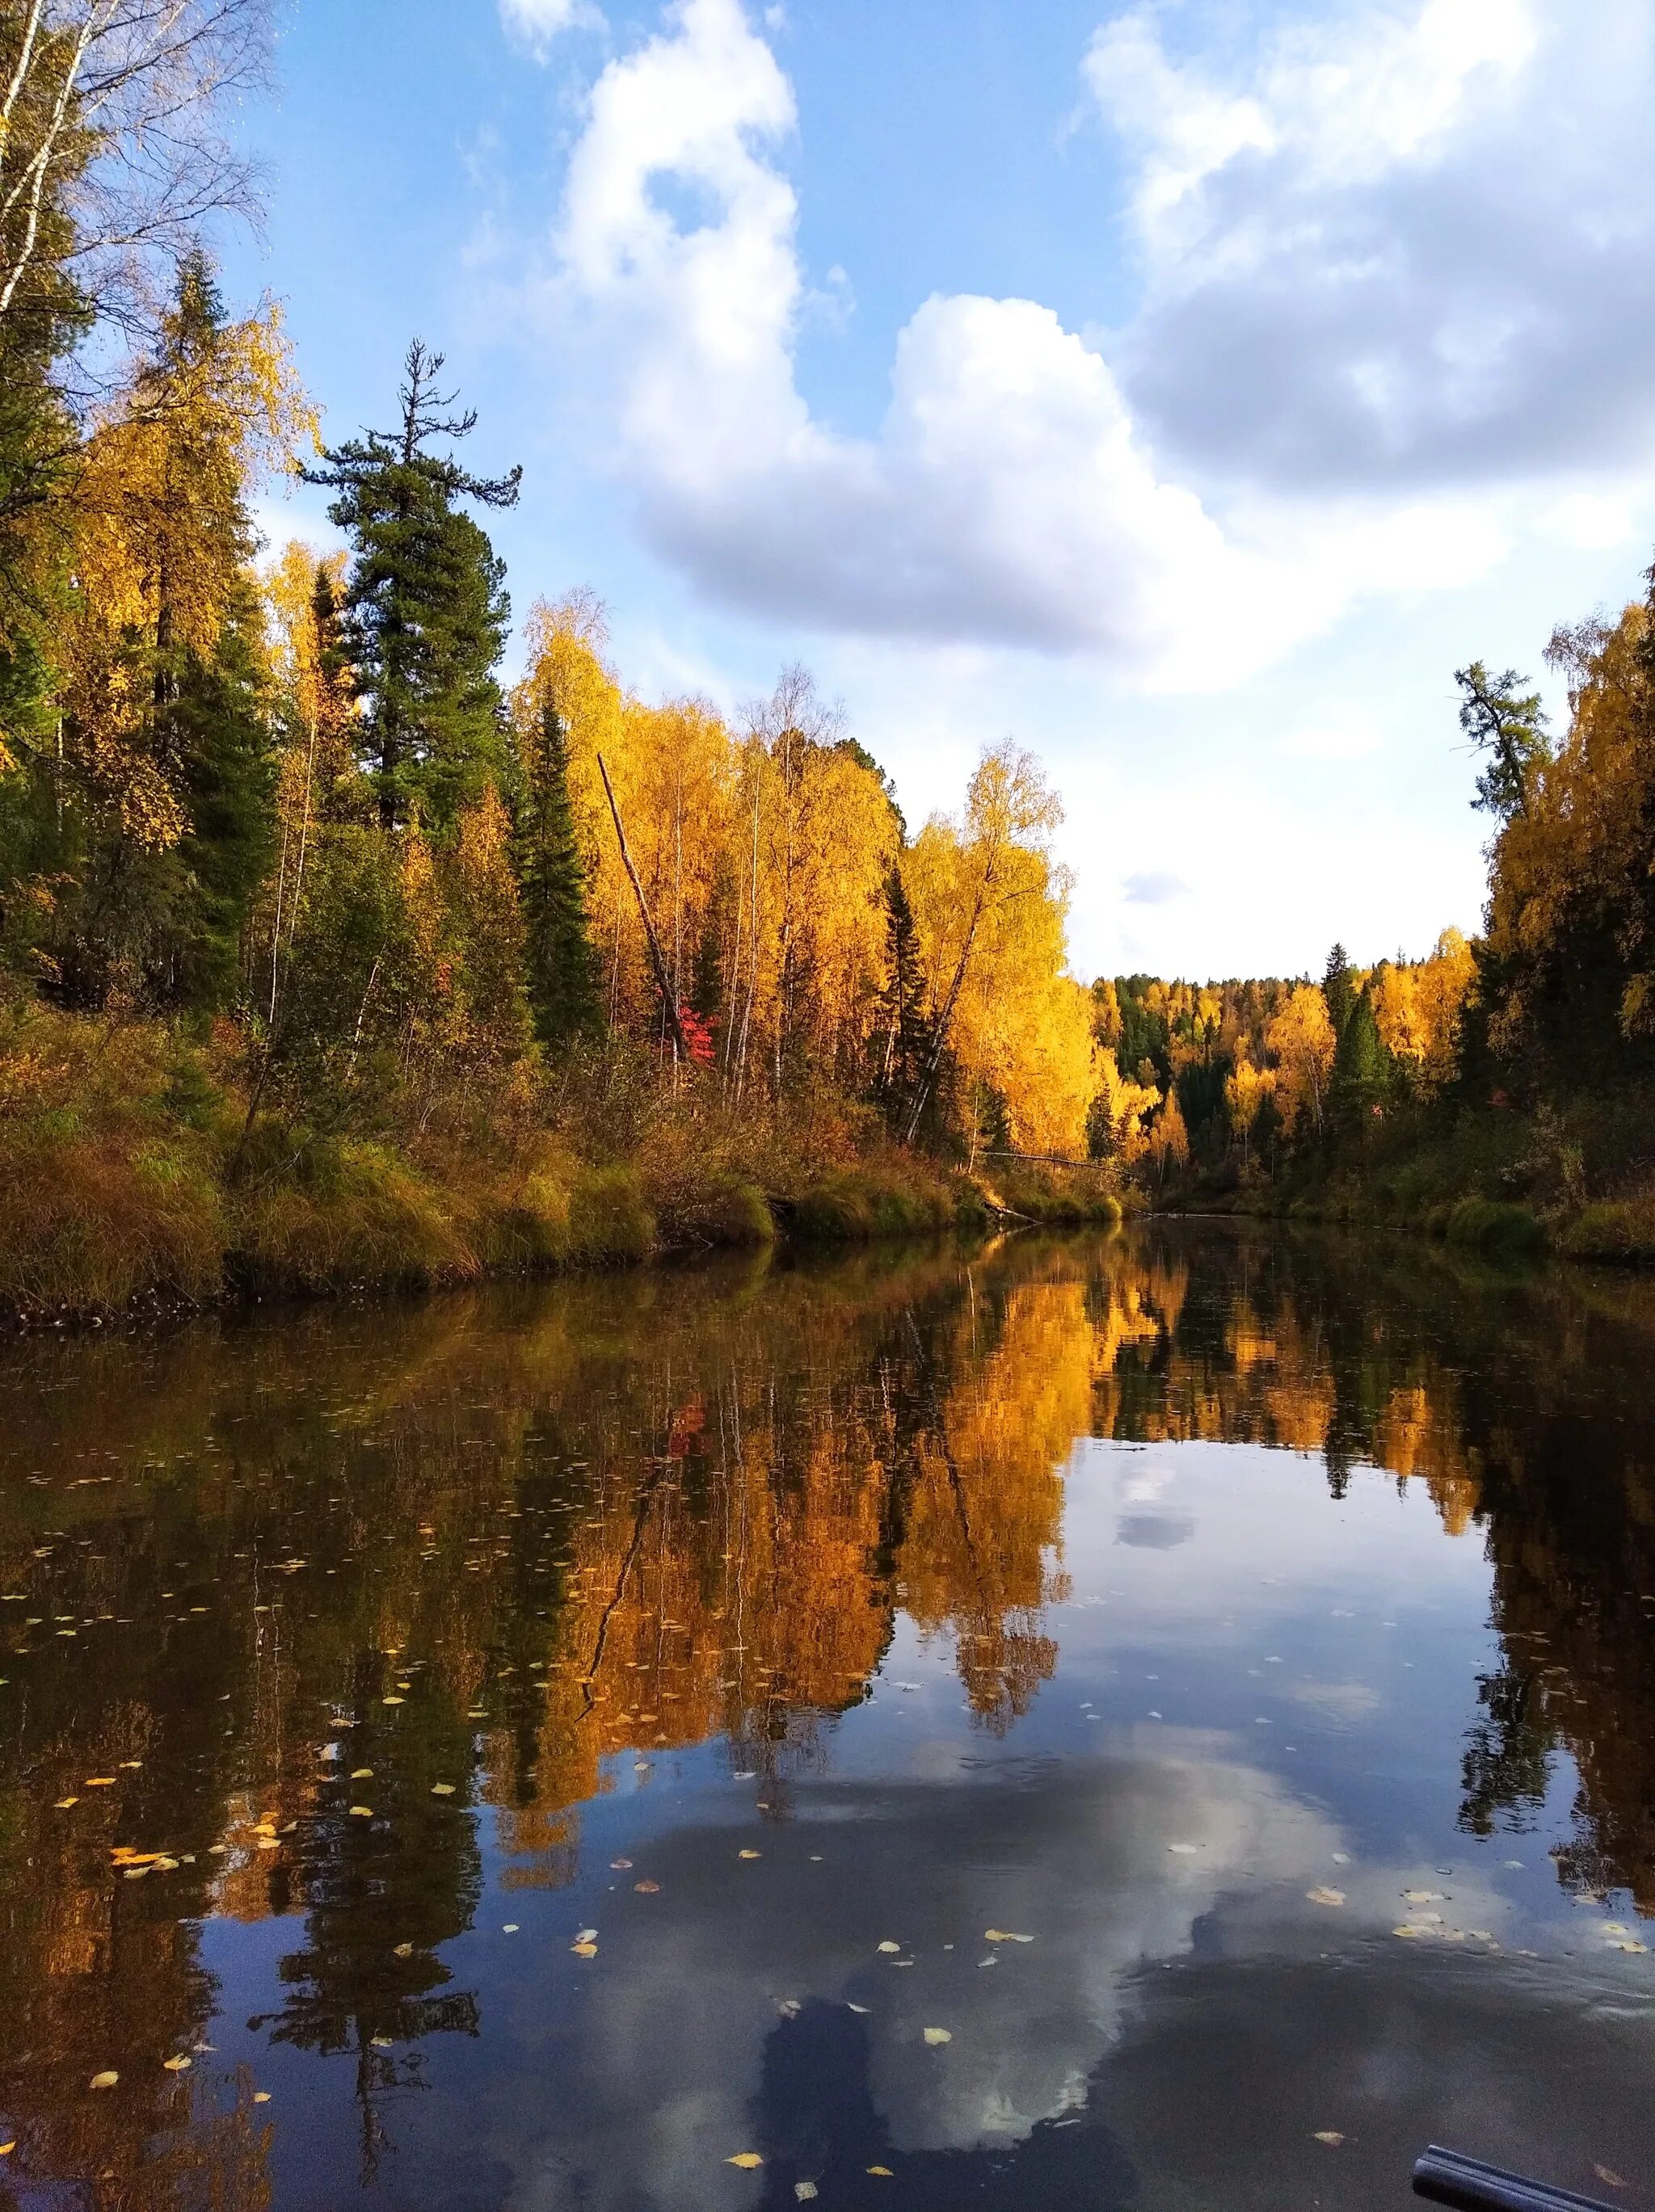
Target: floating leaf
(935,2035)
(746,2159)
(261,2096)
(7,2148)
(883,2170)
(176,2065)
(1330,2135)
(64,1804)
(584,1950)
(621,1866)
(442,1789)
(402,1951)
(98,1781)
(1004,1935)
(1422,1897)
(748,1855)
(362,1774)
(1608,2173)
(803,2191)
(389,1701)
(646,1888)
(105,2080)
(1325,1896)
(509,1927)
(1185,1850)
(360,1812)
(854,2008)
(890,1946)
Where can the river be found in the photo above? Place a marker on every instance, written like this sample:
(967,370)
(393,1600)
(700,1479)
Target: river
(1163,1720)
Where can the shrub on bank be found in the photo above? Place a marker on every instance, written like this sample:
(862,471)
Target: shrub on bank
(1619,1230)
(1484,1225)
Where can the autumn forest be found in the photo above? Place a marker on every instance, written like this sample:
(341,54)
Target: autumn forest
(328,956)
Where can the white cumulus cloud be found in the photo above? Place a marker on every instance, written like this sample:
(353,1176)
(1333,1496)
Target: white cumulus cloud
(1189,507)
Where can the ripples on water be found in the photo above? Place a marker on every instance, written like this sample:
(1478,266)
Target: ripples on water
(1207,1607)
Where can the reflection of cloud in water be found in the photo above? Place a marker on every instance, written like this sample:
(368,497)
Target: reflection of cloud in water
(679,2010)
(1154,1532)
(1337,1701)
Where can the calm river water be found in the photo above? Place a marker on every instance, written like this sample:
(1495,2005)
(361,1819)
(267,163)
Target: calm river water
(1164,1721)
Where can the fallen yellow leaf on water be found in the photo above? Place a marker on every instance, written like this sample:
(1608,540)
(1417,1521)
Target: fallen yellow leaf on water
(64,1804)
(1628,1943)
(935,2035)
(890,1946)
(179,2065)
(1608,2173)
(389,1701)
(621,1866)
(402,1951)
(6,2150)
(748,1855)
(646,1888)
(1004,1935)
(1422,1897)
(884,2170)
(803,2191)
(442,1789)
(362,1812)
(362,1774)
(1325,1896)
(105,2080)
(584,1950)
(745,2159)
(1330,2135)
(98,1781)
(261,2096)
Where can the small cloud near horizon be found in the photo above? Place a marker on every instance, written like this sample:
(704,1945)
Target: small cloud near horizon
(1154,887)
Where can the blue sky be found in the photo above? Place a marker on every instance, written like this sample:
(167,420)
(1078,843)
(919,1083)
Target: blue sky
(1185,390)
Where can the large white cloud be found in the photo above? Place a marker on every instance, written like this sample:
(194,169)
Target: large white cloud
(1394,249)
(1249,465)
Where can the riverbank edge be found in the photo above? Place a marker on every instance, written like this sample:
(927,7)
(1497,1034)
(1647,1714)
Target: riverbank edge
(1610,1232)
(145,1236)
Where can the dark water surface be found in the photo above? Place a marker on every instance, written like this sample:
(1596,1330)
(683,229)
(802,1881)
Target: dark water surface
(1163,1722)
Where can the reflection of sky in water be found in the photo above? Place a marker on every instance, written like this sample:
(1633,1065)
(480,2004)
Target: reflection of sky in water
(1274,1707)
(1201,1719)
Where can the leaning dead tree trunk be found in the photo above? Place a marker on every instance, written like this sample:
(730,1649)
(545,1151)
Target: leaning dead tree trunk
(663,981)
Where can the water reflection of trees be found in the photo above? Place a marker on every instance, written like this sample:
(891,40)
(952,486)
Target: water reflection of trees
(1522,1406)
(493,1547)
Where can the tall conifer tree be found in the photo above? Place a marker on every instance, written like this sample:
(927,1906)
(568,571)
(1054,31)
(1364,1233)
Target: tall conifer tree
(427,612)
(563,967)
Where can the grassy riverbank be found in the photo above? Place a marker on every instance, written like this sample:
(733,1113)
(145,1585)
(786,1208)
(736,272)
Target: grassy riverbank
(1573,1175)
(132,1170)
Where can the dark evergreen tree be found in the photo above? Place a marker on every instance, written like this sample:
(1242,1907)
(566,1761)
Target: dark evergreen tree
(427,612)
(1507,725)
(904,1032)
(1362,1074)
(1338,989)
(228,774)
(563,966)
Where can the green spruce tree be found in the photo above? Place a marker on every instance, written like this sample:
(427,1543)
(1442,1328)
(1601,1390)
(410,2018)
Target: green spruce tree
(563,967)
(1362,1075)
(903,1035)
(1338,989)
(427,612)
